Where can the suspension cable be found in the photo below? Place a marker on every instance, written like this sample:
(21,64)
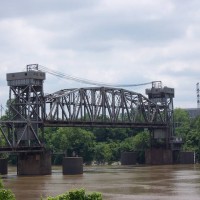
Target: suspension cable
(86,81)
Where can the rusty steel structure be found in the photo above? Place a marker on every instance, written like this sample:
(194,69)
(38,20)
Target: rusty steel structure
(104,107)
(30,110)
(26,110)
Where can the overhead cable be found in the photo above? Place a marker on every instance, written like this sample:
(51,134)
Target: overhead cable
(86,81)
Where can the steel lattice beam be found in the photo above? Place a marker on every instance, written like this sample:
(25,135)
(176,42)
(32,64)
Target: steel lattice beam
(30,111)
(103,106)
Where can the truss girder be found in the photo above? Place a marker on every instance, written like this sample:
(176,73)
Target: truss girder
(30,111)
(103,106)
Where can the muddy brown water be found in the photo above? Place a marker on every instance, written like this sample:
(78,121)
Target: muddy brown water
(174,182)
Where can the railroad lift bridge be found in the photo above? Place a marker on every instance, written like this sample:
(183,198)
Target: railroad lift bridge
(30,110)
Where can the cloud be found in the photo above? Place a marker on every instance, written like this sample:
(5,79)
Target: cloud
(110,41)
(24,9)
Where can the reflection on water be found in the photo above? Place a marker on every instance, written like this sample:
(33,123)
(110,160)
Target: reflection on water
(115,182)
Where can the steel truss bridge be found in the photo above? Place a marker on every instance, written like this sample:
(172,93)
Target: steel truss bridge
(30,110)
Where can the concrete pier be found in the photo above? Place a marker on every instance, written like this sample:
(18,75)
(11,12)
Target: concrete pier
(187,157)
(37,163)
(72,165)
(158,157)
(3,166)
(128,158)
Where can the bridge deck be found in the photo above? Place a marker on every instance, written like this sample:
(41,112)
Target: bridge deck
(52,123)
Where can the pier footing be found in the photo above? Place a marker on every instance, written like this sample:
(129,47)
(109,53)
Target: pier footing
(3,166)
(128,158)
(187,157)
(158,157)
(34,163)
(72,165)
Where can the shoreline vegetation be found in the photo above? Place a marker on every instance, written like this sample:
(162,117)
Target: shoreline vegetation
(102,146)
(75,194)
(6,194)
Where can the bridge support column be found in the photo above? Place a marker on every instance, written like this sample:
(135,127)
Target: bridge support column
(187,157)
(37,163)
(3,166)
(128,158)
(72,165)
(182,157)
(158,156)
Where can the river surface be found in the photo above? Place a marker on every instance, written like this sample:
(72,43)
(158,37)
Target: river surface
(169,182)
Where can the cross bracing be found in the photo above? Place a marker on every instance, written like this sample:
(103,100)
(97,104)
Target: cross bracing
(103,106)
(30,110)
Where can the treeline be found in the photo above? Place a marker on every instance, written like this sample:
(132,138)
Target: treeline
(104,145)
(189,130)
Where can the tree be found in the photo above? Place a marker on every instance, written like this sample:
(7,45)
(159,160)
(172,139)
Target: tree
(102,153)
(115,149)
(192,141)
(182,123)
(111,134)
(140,142)
(71,140)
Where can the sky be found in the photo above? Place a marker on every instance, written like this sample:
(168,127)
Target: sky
(109,41)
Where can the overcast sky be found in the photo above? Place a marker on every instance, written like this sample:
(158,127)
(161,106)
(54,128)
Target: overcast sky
(111,41)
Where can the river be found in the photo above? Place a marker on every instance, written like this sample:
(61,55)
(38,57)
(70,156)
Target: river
(174,182)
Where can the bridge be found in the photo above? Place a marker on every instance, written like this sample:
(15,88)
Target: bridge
(30,110)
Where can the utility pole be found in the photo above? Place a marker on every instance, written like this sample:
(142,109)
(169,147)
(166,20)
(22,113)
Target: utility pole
(198,96)
(1,110)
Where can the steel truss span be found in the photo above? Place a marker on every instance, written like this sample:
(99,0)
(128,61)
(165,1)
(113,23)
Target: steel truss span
(29,110)
(104,107)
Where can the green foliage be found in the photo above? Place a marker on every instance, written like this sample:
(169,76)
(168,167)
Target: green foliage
(12,159)
(50,198)
(182,123)
(102,153)
(87,144)
(60,197)
(111,134)
(5,194)
(57,159)
(1,184)
(136,143)
(94,196)
(77,194)
(115,150)
(192,142)
(105,145)
(72,140)
(189,130)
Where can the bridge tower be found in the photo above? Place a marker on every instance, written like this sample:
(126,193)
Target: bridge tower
(25,124)
(161,151)
(163,96)
(26,108)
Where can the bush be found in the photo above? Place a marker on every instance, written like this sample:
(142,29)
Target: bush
(5,194)
(76,195)
(94,196)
